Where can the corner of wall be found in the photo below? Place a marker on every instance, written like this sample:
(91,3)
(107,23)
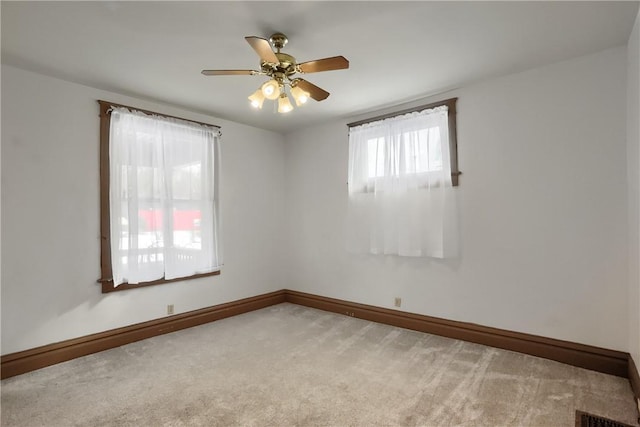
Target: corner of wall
(633,164)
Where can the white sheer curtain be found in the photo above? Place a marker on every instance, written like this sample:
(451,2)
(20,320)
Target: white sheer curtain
(401,199)
(163,197)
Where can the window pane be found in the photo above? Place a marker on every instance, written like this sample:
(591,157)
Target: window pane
(420,151)
(145,247)
(186,228)
(425,151)
(376,157)
(149,182)
(187,182)
(435,150)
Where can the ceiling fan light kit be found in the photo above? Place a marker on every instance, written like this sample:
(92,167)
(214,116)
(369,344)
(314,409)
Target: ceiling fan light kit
(299,95)
(271,89)
(257,99)
(280,68)
(284,105)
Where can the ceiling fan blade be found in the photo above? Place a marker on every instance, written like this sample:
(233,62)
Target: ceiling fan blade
(314,91)
(326,64)
(263,49)
(229,72)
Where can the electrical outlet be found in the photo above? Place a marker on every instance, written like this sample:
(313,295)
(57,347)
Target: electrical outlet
(170,309)
(398,302)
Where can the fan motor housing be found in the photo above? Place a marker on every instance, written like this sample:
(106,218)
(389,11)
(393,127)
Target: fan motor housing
(287,63)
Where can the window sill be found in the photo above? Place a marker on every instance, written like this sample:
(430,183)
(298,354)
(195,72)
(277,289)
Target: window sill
(107,284)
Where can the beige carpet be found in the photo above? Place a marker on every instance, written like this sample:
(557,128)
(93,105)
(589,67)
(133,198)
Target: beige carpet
(292,365)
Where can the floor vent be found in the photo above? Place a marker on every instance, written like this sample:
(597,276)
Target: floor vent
(589,420)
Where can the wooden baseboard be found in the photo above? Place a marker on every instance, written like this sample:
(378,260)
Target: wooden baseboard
(40,357)
(589,357)
(584,356)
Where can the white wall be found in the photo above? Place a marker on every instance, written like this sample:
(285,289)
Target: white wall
(543,213)
(633,163)
(50,218)
(543,210)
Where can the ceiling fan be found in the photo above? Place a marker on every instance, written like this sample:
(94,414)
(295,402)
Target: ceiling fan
(282,69)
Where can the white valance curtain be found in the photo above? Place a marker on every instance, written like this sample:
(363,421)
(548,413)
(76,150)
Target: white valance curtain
(401,199)
(163,197)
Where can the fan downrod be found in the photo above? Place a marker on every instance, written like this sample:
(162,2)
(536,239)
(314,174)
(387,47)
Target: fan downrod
(278,40)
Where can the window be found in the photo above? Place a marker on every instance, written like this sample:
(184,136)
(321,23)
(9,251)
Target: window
(421,152)
(402,168)
(405,143)
(159,198)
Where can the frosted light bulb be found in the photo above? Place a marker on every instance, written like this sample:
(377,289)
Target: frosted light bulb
(271,89)
(284,105)
(299,95)
(257,98)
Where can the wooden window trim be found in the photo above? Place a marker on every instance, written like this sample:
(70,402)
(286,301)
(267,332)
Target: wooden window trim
(453,135)
(106,278)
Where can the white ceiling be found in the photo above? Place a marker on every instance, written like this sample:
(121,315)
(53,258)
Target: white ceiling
(398,51)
